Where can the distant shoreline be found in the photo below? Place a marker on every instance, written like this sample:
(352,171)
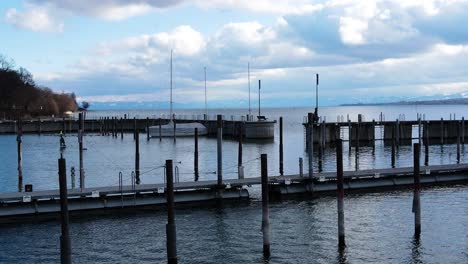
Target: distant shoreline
(460,101)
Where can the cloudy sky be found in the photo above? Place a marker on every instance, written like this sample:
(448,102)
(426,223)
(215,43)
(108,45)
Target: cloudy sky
(114,51)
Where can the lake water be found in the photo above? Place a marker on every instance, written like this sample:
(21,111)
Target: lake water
(379,226)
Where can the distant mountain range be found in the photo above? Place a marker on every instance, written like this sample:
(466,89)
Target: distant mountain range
(459,99)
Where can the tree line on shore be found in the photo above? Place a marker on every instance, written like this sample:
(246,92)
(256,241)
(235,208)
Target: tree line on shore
(20,96)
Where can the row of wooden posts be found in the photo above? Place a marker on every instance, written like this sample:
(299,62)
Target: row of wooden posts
(171,245)
(310,150)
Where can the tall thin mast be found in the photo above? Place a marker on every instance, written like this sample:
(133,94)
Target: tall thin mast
(171,90)
(316,94)
(248,77)
(259,86)
(206,104)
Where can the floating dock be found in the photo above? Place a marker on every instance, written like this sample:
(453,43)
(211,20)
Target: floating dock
(30,204)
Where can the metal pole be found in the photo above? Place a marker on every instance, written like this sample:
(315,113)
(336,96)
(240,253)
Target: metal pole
(174,120)
(265,210)
(248,78)
(281,146)
(65,244)
(195,159)
(339,186)
(206,104)
(316,93)
(220,150)
(171,243)
(416,199)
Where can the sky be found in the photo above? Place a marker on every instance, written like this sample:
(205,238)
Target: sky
(116,53)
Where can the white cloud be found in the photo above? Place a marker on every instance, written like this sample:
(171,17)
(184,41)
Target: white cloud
(34,18)
(352,30)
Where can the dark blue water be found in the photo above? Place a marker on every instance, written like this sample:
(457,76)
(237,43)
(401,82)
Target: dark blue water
(379,226)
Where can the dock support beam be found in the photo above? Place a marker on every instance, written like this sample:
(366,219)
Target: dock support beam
(171,244)
(310,146)
(265,210)
(65,244)
(339,186)
(416,198)
(240,167)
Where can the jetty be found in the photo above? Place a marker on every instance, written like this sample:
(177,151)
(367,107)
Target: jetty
(37,203)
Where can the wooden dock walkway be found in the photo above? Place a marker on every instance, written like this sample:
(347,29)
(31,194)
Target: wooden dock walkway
(44,202)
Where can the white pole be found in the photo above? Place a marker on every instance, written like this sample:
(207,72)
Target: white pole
(206,105)
(171,90)
(248,76)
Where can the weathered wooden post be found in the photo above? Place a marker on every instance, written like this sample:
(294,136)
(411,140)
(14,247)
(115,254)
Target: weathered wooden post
(394,128)
(301,168)
(135,129)
(426,144)
(442,131)
(174,129)
(240,167)
(310,146)
(419,131)
(195,158)
(458,140)
(19,142)
(463,130)
(265,210)
(121,128)
(65,245)
(39,123)
(281,171)
(340,189)
(398,133)
(160,136)
(416,198)
(137,158)
(220,150)
(147,129)
(80,145)
(171,244)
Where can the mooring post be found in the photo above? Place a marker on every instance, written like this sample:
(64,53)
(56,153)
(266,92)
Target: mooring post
(339,186)
(80,145)
(350,135)
(195,158)
(19,142)
(398,133)
(174,128)
(65,245)
(137,158)
(394,127)
(240,167)
(135,130)
(265,210)
(441,130)
(301,168)
(171,245)
(426,144)
(281,146)
(160,136)
(458,140)
(419,130)
(310,146)
(220,150)
(147,129)
(121,128)
(416,198)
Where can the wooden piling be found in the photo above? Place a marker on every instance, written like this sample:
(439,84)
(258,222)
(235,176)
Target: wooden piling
(39,130)
(340,189)
(195,158)
(147,129)
(458,140)
(426,144)
(301,168)
(171,243)
(350,135)
(134,128)
(416,198)
(19,142)
(80,150)
(220,150)
(65,244)
(463,130)
(265,210)
(174,129)
(240,167)
(160,136)
(121,128)
(281,171)
(394,128)
(137,158)
(442,131)
(310,146)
